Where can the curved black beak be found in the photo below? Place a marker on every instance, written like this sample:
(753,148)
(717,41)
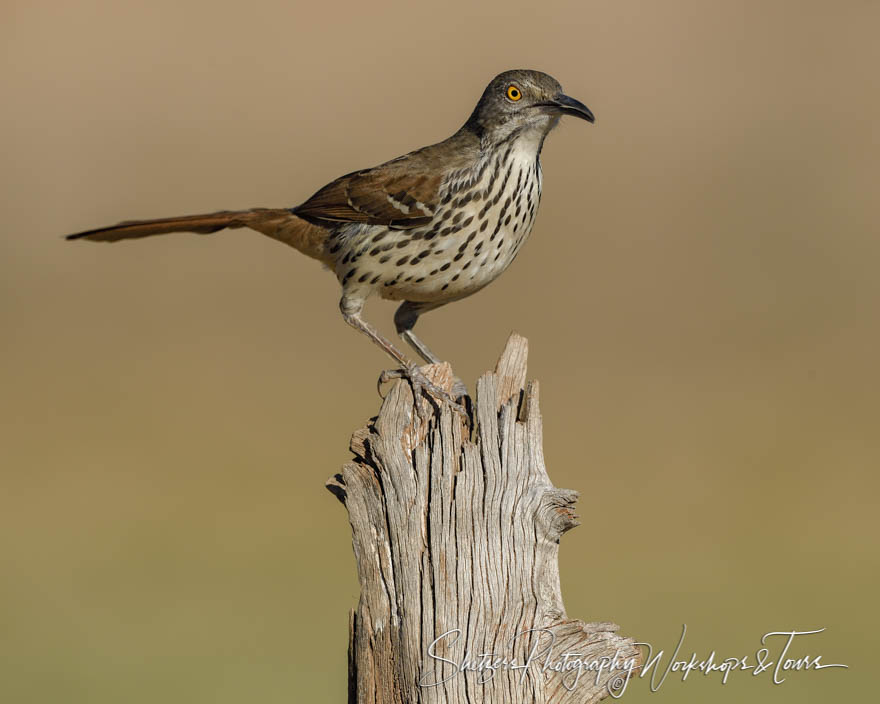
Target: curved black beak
(569,106)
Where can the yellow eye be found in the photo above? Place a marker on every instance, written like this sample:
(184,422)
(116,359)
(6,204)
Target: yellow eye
(514,93)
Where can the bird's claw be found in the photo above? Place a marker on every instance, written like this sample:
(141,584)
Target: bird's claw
(422,384)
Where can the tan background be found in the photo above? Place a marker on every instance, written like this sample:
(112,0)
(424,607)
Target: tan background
(700,292)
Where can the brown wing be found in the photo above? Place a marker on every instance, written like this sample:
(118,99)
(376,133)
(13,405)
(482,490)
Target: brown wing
(401,193)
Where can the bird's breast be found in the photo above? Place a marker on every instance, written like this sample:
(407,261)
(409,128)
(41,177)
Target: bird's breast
(483,217)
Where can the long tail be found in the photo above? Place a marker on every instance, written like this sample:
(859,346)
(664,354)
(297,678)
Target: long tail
(202,224)
(278,223)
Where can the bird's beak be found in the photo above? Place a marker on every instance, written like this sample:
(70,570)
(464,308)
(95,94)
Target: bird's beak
(564,105)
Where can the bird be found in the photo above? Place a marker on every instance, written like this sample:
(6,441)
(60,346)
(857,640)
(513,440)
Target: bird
(427,228)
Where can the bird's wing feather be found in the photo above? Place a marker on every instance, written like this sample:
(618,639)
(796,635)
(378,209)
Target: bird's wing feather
(401,193)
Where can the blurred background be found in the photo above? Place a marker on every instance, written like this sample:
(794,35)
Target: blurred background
(700,293)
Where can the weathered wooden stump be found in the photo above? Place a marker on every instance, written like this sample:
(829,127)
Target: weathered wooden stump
(456,531)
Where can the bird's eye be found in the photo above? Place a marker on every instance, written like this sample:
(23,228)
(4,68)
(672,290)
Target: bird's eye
(514,93)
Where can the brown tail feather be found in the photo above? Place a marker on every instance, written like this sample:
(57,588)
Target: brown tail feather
(278,223)
(202,224)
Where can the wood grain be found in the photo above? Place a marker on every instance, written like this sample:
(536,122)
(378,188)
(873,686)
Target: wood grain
(456,529)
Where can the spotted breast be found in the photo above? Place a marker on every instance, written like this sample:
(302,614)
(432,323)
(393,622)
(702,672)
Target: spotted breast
(483,216)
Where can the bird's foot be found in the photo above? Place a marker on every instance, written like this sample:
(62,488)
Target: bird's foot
(422,384)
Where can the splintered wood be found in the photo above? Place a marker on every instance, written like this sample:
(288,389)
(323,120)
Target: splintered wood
(456,528)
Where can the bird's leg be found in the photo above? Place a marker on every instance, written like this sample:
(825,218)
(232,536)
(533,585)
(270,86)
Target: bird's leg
(405,318)
(351,311)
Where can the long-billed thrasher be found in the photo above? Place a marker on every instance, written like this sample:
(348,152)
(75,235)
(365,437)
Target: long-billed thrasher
(426,228)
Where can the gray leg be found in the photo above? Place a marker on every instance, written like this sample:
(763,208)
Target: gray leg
(352,308)
(405,318)
(351,311)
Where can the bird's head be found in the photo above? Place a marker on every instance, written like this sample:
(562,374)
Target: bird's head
(524,101)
